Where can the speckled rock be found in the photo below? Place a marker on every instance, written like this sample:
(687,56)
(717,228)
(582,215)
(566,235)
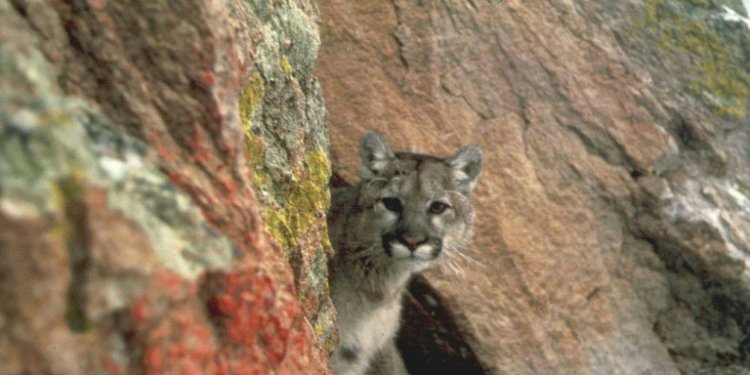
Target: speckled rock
(290,162)
(135,165)
(613,206)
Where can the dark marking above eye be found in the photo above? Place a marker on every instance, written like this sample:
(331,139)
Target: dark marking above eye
(392,204)
(438,207)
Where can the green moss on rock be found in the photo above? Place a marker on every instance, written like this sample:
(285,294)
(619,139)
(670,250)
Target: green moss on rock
(285,66)
(252,96)
(297,205)
(284,124)
(303,202)
(719,75)
(250,100)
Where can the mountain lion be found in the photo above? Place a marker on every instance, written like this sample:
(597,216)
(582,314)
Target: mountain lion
(407,209)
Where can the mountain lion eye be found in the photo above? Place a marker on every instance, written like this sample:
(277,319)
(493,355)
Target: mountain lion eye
(392,204)
(438,208)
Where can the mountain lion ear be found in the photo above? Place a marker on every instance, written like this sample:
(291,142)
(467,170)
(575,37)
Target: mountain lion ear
(466,164)
(375,154)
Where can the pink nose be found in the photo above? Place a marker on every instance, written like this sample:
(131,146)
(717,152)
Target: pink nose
(412,241)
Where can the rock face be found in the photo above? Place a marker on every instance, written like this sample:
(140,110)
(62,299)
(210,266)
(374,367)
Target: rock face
(147,151)
(614,207)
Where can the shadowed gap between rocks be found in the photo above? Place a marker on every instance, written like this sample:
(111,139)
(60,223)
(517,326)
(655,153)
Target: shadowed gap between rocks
(719,309)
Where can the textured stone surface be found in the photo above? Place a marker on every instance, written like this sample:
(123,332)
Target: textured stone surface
(132,136)
(612,229)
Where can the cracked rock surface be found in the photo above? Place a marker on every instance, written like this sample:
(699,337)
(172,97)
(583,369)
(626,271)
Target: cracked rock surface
(614,204)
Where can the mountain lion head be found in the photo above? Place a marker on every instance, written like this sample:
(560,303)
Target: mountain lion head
(410,207)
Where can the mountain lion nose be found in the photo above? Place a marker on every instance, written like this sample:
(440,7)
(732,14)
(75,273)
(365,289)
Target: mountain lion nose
(412,241)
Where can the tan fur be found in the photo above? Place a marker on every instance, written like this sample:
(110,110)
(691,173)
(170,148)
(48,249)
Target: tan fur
(407,210)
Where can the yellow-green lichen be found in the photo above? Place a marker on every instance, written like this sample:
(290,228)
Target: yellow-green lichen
(318,168)
(321,332)
(257,159)
(303,202)
(252,96)
(298,205)
(320,328)
(286,67)
(718,75)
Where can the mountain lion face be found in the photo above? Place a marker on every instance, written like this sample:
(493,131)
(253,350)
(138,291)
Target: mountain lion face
(411,207)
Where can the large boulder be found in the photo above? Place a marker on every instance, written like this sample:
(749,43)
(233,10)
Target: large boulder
(613,208)
(163,184)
